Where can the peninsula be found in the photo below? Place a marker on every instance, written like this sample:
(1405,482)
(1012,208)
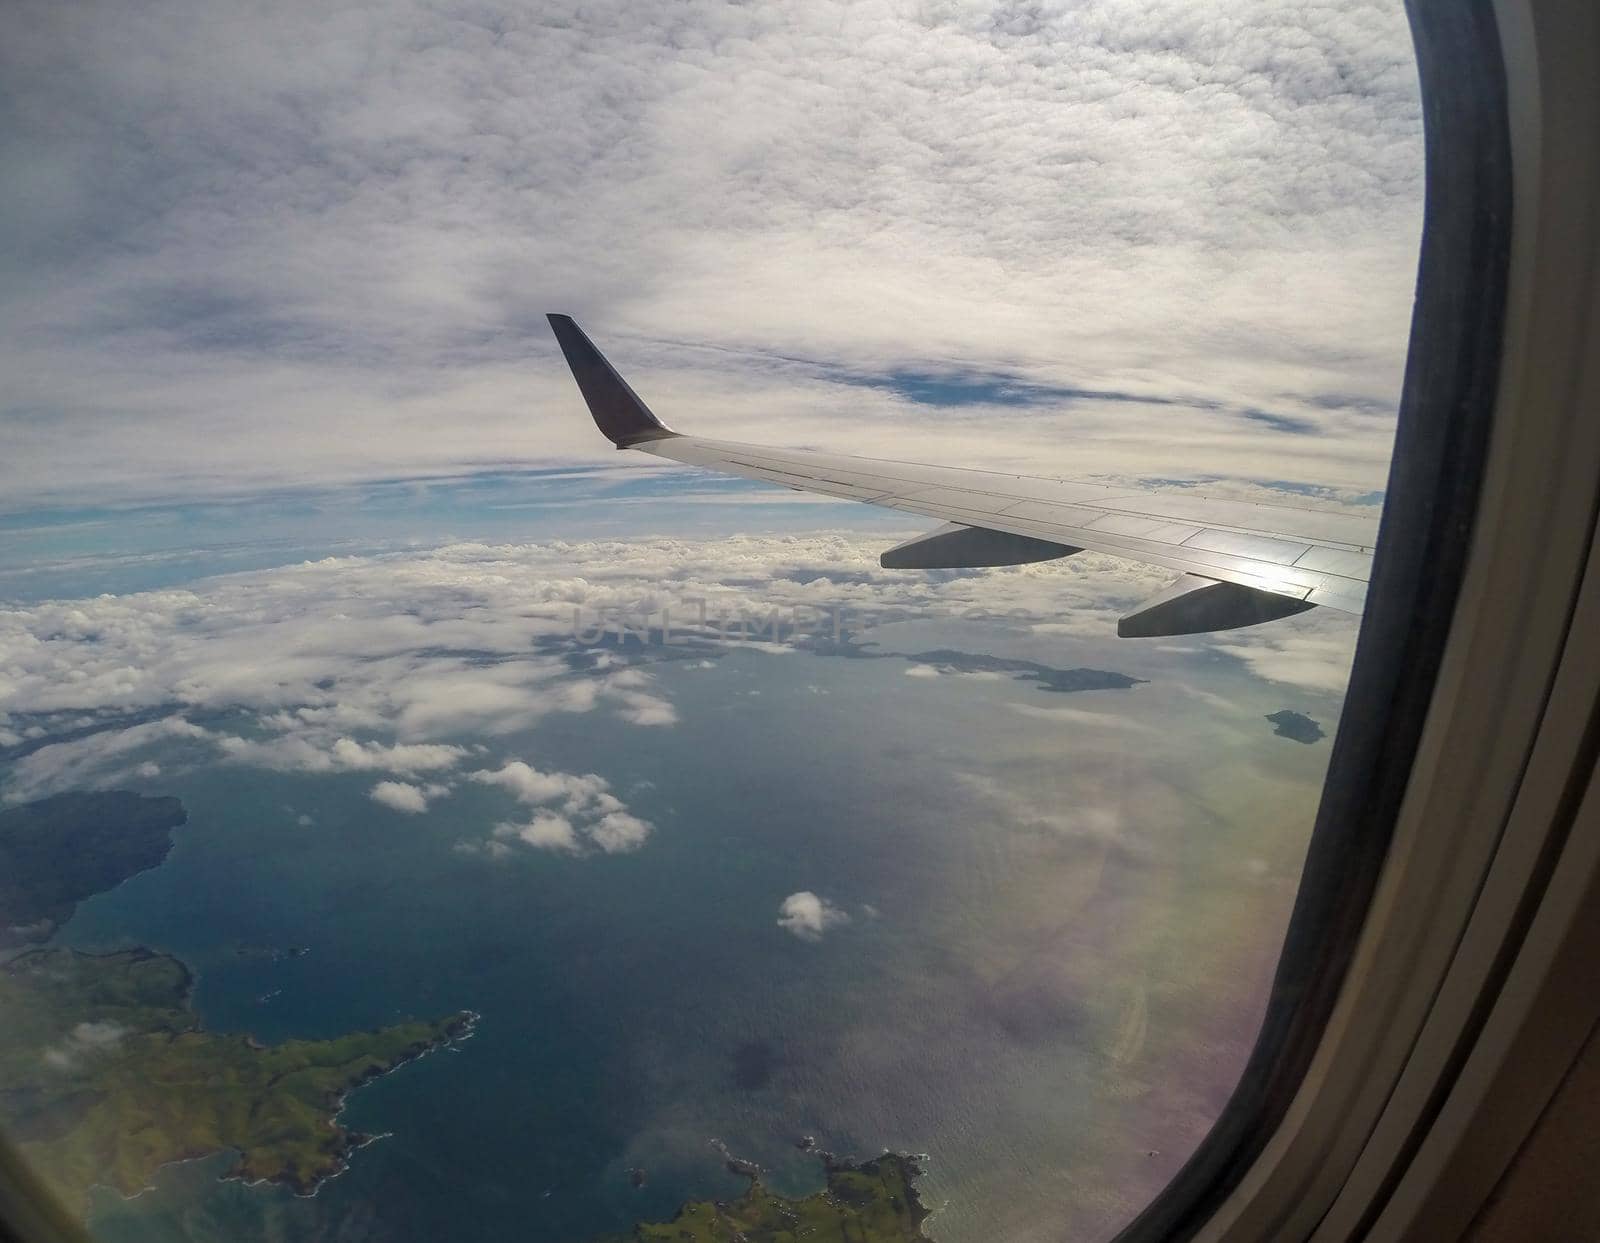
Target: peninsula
(106,1075)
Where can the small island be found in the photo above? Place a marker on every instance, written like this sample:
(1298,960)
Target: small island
(1296,726)
(106,1075)
(867,1202)
(58,851)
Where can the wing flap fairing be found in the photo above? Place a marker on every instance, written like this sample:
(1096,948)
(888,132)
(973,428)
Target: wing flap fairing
(958,547)
(1195,605)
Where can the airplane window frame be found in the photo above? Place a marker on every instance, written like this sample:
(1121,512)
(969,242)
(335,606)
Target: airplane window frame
(1435,482)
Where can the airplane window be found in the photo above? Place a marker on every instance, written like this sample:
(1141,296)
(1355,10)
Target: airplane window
(870,805)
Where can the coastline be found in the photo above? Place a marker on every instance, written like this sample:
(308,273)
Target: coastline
(464,1027)
(459,1028)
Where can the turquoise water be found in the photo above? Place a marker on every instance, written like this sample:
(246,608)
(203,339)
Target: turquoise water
(636,1007)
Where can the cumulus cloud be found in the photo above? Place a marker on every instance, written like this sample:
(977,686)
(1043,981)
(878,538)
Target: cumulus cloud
(299,754)
(618,832)
(647,710)
(401,796)
(810,215)
(809,916)
(529,785)
(591,817)
(546,831)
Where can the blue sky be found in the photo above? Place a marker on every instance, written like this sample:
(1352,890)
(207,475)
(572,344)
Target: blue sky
(257,248)
(77,550)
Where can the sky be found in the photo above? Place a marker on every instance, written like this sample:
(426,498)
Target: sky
(254,250)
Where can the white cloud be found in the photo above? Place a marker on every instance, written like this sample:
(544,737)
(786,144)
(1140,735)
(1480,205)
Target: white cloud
(84,1041)
(618,832)
(546,831)
(269,217)
(410,799)
(529,785)
(1313,651)
(296,753)
(103,1034)
(647,710)
(348,754)
(96,760)
(593,816)
(1081,717)
(809,916)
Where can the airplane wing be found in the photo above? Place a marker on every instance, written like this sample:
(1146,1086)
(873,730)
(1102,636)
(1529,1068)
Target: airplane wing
(1240,562)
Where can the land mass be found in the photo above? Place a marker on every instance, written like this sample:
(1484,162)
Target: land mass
(867,1202)
(106,1075)
(946,660)
(1297,726)
(1062,681)
(58,851)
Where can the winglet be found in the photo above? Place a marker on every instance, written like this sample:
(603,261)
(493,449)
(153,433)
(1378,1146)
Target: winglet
(616,408)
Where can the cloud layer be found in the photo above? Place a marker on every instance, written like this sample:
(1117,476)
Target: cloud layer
(396,665)
(254,246)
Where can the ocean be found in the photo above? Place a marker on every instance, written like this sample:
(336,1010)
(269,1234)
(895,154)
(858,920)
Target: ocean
(1059,932)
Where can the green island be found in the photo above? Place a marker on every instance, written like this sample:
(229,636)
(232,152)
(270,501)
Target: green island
(106,1075)
(58,851)
(864,1202)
